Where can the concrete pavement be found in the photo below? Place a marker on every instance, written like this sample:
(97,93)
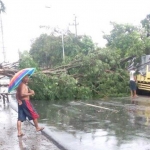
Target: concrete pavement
(32,140)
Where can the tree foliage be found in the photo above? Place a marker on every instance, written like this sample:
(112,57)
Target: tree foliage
(90,76)
(27,61)
(87,72)
(47,49)
(126,38)
(146,25)
(2,7)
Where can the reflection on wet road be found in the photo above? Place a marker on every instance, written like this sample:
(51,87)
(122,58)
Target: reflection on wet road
(111,124)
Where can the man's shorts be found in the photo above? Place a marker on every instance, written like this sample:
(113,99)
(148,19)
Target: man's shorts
(26,110)
(132,85)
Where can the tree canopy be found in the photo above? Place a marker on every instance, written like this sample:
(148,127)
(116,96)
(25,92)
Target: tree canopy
(88,71)
(2,7)
(47,49)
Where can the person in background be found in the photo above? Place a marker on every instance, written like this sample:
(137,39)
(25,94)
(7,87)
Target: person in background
(133,83)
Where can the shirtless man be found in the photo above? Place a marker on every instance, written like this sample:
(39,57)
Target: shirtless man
(25,108)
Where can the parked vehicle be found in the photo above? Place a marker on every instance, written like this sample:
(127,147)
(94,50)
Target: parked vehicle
(143,76)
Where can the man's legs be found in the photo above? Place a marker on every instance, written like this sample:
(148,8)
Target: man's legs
(131,89)
(37,126)
(21,117)
(134,94)
(131,93)
(134,90)
(19,128)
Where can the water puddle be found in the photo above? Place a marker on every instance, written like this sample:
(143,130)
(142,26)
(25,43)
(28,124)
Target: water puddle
(98,124)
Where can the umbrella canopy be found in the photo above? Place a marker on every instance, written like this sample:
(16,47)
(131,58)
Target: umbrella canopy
(17,78)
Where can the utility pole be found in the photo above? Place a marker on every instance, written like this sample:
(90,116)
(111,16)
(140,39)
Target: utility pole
(62,37)
(62,32)
(59,31)
(75,24)
(3,48)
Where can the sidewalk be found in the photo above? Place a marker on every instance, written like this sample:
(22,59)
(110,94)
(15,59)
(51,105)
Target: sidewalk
(32,140)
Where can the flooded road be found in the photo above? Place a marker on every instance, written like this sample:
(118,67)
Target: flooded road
(114,124)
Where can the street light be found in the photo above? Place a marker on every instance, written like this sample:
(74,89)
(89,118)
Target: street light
(58,31)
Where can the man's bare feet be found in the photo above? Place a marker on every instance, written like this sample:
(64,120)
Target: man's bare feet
(21,134)
(39,129)
(135,96)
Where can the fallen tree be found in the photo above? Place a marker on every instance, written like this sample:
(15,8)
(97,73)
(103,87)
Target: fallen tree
(98,74)
(8,69)
(95,75)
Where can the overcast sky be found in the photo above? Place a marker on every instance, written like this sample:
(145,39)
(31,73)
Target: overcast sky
(23,18)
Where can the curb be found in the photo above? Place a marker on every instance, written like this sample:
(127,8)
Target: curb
(14,107)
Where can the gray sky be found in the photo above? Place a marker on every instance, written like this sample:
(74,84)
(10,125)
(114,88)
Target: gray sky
(23,17)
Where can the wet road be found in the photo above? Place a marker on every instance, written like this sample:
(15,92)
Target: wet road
(112,124)
(8,133)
